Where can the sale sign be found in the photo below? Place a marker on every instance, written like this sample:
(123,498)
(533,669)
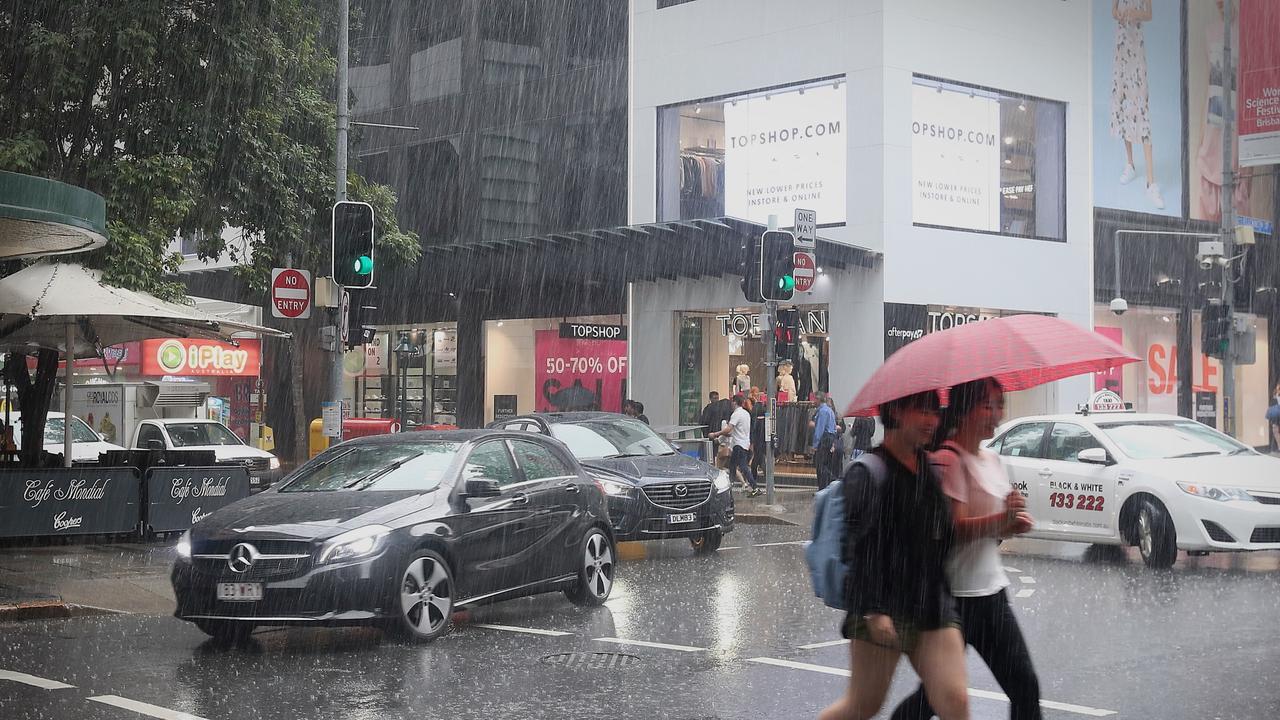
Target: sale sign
(1112,379)
(578,374)
(188,357)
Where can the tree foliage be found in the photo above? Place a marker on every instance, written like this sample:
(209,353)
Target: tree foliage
(189,116)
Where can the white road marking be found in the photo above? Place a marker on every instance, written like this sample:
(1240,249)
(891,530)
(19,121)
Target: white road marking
(986,694)
(829,643)
(33,680)
(512,628)
(1012,569)
(793,542)
(732,547)
(1027,580)
(144,708)
(1026,592)
(644,643)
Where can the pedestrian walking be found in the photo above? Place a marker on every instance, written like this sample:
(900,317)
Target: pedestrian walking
(823,440)
(709,417)
(1273,417)
(897,538)
(738,430)
(984,509)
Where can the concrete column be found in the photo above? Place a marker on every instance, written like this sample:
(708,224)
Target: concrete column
(472,310)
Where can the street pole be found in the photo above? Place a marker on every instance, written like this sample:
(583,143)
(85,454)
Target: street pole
(1228,221)
(340,194)
(771,384)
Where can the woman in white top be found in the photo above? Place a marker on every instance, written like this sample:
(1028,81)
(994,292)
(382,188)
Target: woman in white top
(985,508)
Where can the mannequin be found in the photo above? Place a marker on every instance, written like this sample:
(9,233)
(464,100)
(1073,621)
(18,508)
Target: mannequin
(809,356)
(742,383)
(786,383)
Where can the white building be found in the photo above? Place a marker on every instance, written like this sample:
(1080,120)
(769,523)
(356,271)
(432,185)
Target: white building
(950,140)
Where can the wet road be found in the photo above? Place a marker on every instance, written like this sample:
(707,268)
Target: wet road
(736,635)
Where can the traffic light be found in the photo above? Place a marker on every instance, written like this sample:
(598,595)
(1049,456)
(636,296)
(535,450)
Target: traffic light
(784,334)
(353,244)
(749,268)
(359,333)
(777,265)
(1215,329)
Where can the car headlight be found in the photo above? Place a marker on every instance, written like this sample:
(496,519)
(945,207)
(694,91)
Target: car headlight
(274,463)
(353,544)
(613,487)
(1212,492)
(722,481)
(183,548)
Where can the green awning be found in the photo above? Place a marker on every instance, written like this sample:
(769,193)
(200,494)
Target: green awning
(45,217)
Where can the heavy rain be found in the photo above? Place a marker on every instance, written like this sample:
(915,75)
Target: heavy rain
(688,359)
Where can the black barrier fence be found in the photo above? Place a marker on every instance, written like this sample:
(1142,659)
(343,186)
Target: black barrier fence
(69,501)
(179,497)
(114,500)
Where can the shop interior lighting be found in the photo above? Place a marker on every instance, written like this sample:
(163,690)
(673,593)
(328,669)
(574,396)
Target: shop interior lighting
(1008,161)
(500,323)
(1022,106)
(1008,139)
(1165,318)
(697,108)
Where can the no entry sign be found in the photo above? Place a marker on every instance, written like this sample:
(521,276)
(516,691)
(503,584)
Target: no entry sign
(805,271)
(290,293)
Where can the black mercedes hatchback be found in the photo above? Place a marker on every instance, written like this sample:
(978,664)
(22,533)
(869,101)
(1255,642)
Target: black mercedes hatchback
(400,531)
(654,491)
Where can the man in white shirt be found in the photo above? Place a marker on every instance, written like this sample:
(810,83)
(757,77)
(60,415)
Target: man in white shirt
(739,430)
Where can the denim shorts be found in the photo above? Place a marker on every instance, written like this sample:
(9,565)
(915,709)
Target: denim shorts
(855,628)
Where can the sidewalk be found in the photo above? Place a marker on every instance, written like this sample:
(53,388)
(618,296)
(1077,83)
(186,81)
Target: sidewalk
(793,505)
(83,579)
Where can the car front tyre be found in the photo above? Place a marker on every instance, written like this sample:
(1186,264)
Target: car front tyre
(423,598)
(707,542)
(228,632)
(595,571)
(1157,540)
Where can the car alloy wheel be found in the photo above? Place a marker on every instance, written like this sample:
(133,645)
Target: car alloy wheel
(425,596)
(1156,540)
(595,577)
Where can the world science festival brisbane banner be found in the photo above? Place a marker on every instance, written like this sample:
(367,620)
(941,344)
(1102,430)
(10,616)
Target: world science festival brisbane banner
(787,150)
(1137,119)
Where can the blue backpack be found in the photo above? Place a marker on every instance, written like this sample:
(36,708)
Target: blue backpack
(825,553)
(1273,414)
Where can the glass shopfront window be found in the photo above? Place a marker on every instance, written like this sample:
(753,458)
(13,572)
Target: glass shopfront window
(755,154)
(987,161)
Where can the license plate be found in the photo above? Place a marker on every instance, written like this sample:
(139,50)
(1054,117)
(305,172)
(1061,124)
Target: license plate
(240,592)
(681,518)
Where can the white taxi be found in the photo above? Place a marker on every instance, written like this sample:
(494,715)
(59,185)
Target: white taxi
(1162,482)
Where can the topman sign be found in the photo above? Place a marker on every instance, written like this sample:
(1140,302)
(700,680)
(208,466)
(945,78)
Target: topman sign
(812,322)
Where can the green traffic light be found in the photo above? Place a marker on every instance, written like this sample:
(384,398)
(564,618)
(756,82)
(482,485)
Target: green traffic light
(786,283)
(362,265)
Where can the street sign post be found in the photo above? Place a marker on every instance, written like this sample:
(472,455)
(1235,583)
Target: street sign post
(806,229)
(290,293)
(806,271)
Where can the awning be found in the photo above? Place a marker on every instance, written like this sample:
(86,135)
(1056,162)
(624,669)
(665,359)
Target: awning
(45,217)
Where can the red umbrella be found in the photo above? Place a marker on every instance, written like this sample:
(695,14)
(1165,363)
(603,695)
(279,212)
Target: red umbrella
(1019,351)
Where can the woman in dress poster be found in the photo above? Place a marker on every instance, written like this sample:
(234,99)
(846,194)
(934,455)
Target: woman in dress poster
(1130,109)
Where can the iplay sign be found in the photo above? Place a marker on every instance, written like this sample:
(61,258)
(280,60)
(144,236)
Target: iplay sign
(290,293)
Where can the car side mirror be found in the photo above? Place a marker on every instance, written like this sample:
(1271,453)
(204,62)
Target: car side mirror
(1093,456)
(482,488)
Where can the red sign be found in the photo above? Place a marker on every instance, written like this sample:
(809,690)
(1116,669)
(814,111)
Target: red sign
(178,356)
(290,293)
(1112,379)
(1259,97)
(579,374)
(805,272)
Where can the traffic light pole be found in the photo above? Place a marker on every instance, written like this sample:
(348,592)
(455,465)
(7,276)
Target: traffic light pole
(1228,222)
(340,194)
(771,389)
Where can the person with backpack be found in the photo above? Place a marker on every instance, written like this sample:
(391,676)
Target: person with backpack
(897,535)
(1273,418)
(984,508)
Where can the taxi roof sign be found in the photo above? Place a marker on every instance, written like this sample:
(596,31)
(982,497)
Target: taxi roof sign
(1105,401)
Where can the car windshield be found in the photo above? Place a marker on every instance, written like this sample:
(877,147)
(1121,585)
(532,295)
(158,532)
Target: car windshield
(80,433)
(1153,440)
(384,466)
(610,438)
(198,434)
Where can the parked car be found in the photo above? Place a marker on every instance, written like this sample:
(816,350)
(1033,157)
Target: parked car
(655,492)
(86,444)
(400,531)
(197,434)
(1161,482)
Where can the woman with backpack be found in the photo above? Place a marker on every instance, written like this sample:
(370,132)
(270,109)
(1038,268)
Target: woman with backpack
(984,509)
(898,534)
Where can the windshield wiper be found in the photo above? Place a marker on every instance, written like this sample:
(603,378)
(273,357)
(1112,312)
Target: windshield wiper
(368,479)
(1198,453)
